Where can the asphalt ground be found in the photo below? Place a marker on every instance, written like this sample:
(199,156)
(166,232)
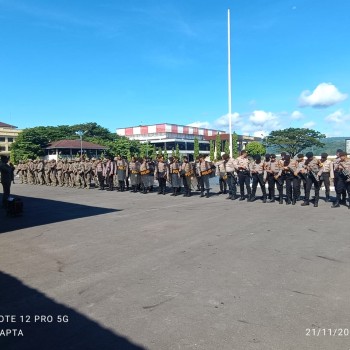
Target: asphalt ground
(89,269)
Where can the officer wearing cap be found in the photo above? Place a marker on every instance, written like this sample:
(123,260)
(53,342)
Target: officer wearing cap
(258,172)
(336,170)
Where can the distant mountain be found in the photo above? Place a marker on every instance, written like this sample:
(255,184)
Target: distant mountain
(330,147)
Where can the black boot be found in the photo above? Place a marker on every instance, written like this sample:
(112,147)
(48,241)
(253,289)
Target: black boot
(288,201)
(252,197)
(264,198)
(242,198)
(327,197)
(272,200)
(343,198)
(281,200)
(306,202)
(189,193)
(336,204)
(173,194)
(229,195)
(317,196)
(176,190)
(202,194)
(207,195)
(294,200)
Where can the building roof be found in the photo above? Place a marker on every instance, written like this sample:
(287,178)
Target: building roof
(4,125)
(74,144)
(166,128)
(226,137)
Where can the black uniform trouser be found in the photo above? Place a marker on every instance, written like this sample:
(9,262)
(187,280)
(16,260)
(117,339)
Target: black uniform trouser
(110,182)
(232,184)
(327,183)
(341,187)
(244,179)
(296,184)
(187,183)
(337,176)
(204,183)
(288,180)
(309,181)
(258,179)
(222,184)
(272,182)
(162,184)
(101,179)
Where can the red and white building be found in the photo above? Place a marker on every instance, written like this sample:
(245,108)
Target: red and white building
(167,136)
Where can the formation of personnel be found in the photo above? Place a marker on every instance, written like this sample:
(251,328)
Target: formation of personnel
(138,175)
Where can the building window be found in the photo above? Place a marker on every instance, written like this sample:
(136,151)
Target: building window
(2,148)
(2,139)
(10,139)
(204,147)
(190,146)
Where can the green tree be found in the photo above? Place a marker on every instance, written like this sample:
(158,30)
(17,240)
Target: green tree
(154,152)
(227,146)
(211,150)
(295,140)
(218,146)
(255,148)
(177,151)
(235,152)
(160,152)
(165,154)
(173,152)
(195,148)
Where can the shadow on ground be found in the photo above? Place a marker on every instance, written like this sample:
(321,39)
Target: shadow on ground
(78,333)
(38,211)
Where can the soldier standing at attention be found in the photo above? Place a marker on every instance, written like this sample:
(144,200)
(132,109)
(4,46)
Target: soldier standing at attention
(134,170)
(325,174)
(336,175)
(221,172)
(145,175)
(257,169)
(99,174)
(286,175)
(186,174)
(40,170)
(71,173)
(87,173)
(342,167)
(59,172)
(273,169)
(111,170)
(311,167)
(204,170)
(244,175)
(30,172)
(175,179)
(161,174)
(121,172)
(231,167)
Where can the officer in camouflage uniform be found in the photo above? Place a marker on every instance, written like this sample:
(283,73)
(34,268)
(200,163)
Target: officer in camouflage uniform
(79,176)
(30,173)
(41,172)
(59,172)
(87,173)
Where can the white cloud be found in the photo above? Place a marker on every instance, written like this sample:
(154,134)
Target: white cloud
(339,123)
(296,115)
(309,125)
(325,95)
(338,117)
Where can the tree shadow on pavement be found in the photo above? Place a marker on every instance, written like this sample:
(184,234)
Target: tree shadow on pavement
(38,211)
(77,332)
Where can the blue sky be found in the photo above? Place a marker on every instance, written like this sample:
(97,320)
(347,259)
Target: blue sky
(130,62)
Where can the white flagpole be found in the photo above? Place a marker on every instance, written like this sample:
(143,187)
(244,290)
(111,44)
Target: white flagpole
(229,79)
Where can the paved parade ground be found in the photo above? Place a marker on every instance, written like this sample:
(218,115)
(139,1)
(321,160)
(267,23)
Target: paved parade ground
(89,269)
